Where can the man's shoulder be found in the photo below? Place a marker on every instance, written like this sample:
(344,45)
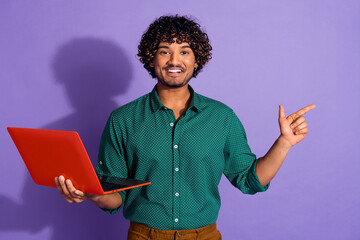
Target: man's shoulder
(131,107)
(212,104)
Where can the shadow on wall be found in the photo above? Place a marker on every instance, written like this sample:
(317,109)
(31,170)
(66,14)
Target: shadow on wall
(92,72)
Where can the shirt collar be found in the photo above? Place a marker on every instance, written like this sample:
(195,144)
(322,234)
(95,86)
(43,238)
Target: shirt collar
(156,104)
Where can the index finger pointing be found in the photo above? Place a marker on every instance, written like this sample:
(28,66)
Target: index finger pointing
(302,111)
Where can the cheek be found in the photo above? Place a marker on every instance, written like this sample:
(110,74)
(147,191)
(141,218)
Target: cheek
(159,63)
(191,62)
(158,68)
(192,65)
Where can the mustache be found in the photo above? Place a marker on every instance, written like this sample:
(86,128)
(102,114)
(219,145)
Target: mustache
(176,66)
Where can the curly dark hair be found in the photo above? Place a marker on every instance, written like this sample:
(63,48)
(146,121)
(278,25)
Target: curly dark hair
(165,29)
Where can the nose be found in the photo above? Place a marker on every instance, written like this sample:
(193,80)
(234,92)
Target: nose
(174,59)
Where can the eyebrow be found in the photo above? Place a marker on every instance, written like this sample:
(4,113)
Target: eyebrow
(166,47)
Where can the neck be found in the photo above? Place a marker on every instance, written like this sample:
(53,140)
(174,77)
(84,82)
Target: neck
(177,99)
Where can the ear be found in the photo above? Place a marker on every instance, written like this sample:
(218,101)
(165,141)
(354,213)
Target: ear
(151,64)
(196,65)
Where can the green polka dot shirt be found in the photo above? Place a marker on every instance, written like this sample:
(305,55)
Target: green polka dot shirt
(184,160)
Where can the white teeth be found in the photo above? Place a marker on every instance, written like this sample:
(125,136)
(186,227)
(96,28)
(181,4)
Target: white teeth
(174,70)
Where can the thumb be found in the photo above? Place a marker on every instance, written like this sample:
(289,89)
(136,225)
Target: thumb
(281,113)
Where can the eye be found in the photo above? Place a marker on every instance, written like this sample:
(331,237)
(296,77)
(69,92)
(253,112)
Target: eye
(184,52)
(163,52)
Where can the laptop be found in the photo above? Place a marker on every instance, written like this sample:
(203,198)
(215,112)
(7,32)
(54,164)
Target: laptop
(50,153)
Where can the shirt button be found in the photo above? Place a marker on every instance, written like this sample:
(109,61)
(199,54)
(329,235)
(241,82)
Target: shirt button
(171,124)
(100,162)
(176,169)
(176,146)
(176,219)
(177,194)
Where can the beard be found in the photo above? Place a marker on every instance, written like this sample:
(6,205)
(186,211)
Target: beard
(173,84)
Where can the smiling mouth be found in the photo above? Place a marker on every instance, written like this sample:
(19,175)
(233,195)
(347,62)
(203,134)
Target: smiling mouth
(174,70)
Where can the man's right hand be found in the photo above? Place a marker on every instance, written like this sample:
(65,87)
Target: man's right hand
(70,193)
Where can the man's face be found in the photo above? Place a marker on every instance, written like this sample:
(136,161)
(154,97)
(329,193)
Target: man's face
(174,64)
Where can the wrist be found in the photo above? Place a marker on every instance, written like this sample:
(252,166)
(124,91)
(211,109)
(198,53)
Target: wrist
(283,143)
(94,198)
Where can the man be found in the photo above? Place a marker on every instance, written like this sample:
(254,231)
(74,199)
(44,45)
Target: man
(180,141)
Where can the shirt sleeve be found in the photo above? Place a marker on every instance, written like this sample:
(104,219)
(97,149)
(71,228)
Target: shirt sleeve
(240,162)
(111,159)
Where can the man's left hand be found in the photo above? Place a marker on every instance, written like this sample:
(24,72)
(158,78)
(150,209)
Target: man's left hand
(294,127)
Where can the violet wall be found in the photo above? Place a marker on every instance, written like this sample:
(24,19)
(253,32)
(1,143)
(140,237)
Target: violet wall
(67,64)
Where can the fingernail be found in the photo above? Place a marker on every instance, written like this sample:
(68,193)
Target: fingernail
(292,126)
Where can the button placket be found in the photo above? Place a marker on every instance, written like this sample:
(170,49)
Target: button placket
(176,175)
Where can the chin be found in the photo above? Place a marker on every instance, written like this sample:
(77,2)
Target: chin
(173,84)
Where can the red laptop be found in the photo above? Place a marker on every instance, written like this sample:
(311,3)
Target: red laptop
(51,153)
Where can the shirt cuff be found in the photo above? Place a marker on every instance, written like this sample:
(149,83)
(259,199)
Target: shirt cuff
(113,211)
(253,179)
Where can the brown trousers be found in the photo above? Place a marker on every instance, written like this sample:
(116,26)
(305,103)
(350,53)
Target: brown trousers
(138,231)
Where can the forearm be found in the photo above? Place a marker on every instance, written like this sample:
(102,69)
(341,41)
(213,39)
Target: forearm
(108,201)
(269,165)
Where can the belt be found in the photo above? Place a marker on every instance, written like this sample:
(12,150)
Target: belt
(171,234)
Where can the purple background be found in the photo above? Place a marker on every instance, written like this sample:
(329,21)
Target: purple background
(67,64)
